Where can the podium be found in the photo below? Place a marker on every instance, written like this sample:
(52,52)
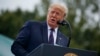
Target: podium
(51,50)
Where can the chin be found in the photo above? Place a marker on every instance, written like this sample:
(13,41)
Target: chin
(53,25)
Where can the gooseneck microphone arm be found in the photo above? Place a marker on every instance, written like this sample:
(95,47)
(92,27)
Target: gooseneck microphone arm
(66,23)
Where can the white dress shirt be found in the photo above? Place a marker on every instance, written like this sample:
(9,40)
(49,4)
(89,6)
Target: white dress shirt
(54,34)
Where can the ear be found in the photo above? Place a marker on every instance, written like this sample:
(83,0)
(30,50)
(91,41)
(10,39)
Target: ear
(62,19)
(64,15)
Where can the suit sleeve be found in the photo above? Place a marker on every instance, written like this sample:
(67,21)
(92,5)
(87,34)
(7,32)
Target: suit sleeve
(19,45)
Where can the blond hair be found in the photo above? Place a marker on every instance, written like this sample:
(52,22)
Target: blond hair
(61,6)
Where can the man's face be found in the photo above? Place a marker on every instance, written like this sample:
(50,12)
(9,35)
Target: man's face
(54,15)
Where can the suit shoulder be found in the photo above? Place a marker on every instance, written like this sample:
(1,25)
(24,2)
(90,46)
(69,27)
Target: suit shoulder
(31,22)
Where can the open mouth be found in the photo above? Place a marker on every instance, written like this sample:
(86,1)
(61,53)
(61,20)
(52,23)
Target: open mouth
(53,20)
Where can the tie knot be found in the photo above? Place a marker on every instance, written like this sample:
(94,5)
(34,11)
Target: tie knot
(52,29)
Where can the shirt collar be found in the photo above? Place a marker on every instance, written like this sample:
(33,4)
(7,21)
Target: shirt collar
(54,29)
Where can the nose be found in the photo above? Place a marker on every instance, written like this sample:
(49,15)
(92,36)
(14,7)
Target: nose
(54,14)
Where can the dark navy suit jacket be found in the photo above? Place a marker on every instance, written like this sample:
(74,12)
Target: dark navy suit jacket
(31,35)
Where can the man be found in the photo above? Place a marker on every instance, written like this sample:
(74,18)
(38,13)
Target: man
(33,33)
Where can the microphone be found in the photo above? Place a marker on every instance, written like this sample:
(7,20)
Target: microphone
(63,22)
(66,23)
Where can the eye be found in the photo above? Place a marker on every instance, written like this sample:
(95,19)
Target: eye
(52,12)
(58,13)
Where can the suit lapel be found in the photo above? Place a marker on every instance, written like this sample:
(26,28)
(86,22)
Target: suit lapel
(45,32)
(59,40)
(58,37)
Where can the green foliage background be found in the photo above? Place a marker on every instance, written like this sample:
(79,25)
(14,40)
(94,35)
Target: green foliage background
(88,39)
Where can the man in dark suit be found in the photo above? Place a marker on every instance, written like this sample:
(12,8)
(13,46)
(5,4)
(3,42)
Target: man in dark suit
(33,33)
